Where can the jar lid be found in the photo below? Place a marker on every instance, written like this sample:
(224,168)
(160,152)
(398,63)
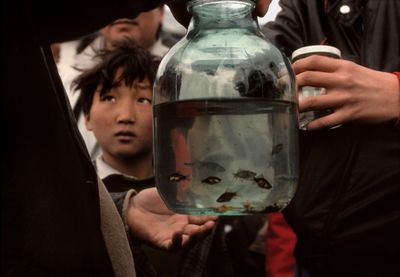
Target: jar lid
(324,50)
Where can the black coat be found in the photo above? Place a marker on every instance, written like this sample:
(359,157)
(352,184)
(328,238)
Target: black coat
(50,219)
(346,211)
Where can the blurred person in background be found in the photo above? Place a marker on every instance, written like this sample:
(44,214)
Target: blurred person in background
(346,212)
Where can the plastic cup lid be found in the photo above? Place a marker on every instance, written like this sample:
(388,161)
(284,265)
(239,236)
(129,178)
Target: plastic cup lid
(316,49)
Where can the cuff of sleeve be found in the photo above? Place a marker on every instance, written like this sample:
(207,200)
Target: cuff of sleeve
(125,205)
(397,124)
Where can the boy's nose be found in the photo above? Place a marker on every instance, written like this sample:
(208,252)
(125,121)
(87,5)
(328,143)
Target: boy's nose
(127,113)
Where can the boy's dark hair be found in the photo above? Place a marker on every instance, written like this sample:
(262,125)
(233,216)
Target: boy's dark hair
(136,63)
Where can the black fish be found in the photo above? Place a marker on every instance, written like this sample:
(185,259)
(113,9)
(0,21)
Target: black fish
(277,148)
(211,180)
(262,182)
(207,165)
(226,196)
(272,208)
(176,177)
(244,174)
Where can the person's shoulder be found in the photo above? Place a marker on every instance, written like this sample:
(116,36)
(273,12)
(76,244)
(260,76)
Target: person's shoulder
(169,39)
(159,49)
(87,57)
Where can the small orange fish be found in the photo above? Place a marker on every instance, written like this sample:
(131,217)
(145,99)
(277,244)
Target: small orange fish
(222,209)
(176,177)
(211,180)
(247,206)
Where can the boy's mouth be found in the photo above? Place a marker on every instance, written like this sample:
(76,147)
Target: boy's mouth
(125,134)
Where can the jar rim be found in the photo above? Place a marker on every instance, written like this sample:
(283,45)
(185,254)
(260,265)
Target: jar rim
(316,49)
(192,3)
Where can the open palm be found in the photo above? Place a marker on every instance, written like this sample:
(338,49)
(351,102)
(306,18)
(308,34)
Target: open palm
(150,220)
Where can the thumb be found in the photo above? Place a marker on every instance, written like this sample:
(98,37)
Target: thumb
(175,242)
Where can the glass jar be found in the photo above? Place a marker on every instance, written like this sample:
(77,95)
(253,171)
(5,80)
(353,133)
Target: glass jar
(225,116)
(322,50)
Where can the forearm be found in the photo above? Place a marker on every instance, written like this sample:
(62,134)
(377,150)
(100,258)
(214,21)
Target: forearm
(390,98)
(397,124)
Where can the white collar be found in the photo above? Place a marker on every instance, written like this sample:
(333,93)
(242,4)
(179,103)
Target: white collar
(104,169)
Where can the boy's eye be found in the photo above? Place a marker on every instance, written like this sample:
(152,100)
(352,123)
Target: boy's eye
(144,100)
(107,98)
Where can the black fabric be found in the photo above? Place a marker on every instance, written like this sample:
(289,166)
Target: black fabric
(118,199)
(77,110)
(49,194)
(244,230)
(346,211)
(120,183)
(225,252)
(143,266)
(195,261)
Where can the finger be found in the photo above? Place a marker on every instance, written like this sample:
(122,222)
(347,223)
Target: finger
(208,226)
(326,101)
(314,103)
(316,63)
(329,121)
(176,242)
(187,241)
(191,235)
(193,230)
(201,219)
(317,79)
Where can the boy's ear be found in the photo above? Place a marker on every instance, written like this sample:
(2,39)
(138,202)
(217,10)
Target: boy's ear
(88,124)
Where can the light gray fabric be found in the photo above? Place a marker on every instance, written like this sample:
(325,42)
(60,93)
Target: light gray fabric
(114,235)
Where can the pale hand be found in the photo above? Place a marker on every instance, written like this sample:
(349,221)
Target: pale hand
(354,92)
(151,221)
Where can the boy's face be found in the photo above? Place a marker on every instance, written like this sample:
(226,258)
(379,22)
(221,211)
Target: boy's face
(121,120)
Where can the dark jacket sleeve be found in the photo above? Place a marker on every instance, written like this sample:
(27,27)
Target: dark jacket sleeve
(50,209)
(294,26)
(70,19)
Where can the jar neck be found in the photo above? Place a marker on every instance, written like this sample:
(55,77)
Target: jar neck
(222,14)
